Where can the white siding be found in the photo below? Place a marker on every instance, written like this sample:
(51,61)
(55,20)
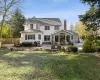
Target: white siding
(22,39)
(45,32)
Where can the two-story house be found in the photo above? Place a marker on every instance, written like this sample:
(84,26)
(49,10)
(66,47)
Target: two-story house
(46,30)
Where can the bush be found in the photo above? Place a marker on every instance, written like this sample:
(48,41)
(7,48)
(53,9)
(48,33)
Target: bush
(26,44)
(3,47)
(62,49)
(72,48)
(88,46)
(98,48)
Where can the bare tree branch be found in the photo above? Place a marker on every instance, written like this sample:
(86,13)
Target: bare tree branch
(5,7)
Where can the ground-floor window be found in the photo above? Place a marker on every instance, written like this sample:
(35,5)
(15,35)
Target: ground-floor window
(26,37)
(30,37)
(39,36)
(46,37)
(67,38)
(72,37)
(56,38)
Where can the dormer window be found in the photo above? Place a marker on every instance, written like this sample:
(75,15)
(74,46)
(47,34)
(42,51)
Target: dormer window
(31,26)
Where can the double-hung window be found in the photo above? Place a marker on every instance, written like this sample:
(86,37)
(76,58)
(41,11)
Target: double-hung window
(47,27)
(46,37)
(39,36)
(31,26)
(29,37)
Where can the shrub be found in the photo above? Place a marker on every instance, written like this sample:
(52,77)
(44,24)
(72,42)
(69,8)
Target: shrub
(98,48)
(72,48)
(26,44)
(62,49)
(88,46)
(3,47)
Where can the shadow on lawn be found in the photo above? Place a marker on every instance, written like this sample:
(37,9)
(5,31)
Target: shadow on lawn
(55,67)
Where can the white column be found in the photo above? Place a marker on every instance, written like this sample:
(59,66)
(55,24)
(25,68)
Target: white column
(59,38)
(65,39)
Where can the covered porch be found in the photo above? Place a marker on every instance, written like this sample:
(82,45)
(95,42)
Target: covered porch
(63,37)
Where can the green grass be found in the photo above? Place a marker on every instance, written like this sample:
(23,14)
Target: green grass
(42,65)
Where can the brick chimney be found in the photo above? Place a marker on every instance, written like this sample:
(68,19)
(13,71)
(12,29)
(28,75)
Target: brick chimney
(65,25)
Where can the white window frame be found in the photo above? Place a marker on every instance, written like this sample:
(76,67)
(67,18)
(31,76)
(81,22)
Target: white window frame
(30,37)
(46,37)
(31,26)
(47,27)
(39,36)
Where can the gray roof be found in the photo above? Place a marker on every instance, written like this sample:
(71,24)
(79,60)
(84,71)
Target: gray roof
(66,31)
(32,31)
(45,21)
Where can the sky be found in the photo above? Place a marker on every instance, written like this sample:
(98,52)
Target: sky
(63,9)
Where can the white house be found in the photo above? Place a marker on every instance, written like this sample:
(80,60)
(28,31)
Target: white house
(47,30)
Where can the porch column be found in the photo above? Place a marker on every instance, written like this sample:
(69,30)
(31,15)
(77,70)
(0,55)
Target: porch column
(59,38)
(65,39)
(53,39)
(70,38)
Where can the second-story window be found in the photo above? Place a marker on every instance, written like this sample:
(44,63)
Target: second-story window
(47,27)
(31,26)
(39,36)
(56,27)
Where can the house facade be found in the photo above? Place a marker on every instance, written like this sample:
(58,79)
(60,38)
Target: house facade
(47,30)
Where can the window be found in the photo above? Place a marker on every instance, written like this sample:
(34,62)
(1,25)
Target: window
(72,37)
(56,38)
(56,27)
(31,37)
(47,27)
(67,38)
(39,36)
(47,38)
(31,26)
(25,36)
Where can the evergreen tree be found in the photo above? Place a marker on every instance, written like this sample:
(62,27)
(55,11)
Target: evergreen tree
(17,20)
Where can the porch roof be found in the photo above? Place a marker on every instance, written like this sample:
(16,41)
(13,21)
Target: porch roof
(31,31)
(65,31)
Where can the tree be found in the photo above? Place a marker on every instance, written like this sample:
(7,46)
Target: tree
(92,17)
(16,21)
(5,7)
(80,29)
(5,31)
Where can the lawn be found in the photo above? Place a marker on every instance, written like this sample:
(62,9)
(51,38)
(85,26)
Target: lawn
(43,65)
